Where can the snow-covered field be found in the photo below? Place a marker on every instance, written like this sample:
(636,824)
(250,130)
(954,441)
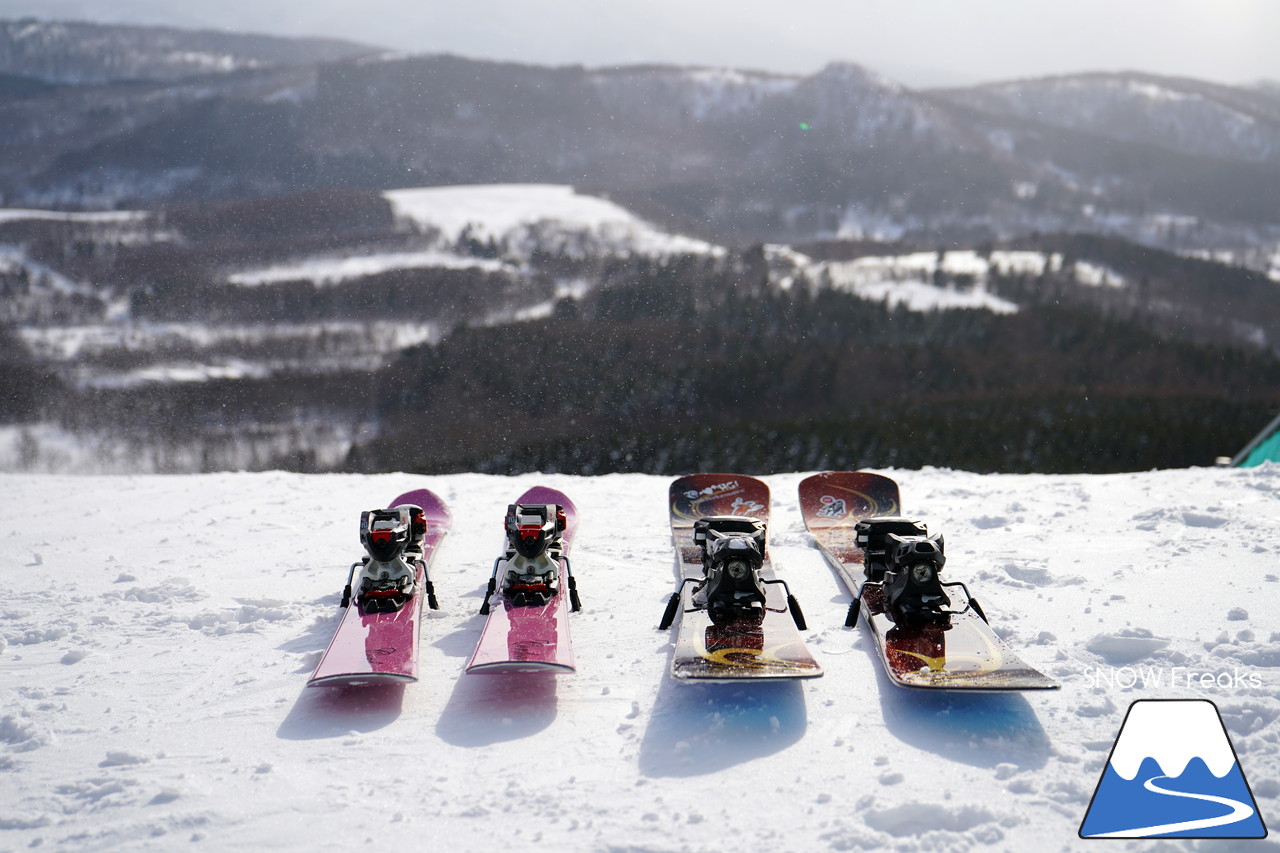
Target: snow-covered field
(911,280)
(513,214)
(158,632)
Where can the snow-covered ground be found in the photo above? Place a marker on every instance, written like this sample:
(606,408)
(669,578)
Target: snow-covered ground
(199,352)
(548,216)
(158,632)
(327,271)
(911,280)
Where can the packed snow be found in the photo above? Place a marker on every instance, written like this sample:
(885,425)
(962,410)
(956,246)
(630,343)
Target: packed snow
(157,633)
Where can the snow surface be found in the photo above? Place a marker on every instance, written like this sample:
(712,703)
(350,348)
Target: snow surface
(156,634)
(208,352)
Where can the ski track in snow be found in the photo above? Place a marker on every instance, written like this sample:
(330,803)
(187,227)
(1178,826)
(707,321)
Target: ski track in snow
(156,633)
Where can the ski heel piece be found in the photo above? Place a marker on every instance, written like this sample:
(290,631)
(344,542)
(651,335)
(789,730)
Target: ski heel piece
(732,549)
(873,538)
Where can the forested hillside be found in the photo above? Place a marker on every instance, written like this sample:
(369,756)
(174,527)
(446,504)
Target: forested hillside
(660,377)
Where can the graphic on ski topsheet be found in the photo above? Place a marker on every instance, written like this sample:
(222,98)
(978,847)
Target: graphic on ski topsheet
(1173,773)
(737,619)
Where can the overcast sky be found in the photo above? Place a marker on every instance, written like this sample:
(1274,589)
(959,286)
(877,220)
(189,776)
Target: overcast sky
(917,42)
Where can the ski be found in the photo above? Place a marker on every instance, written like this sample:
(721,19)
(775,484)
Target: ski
(377,638)
(929,633)
(737,619)
(531,590)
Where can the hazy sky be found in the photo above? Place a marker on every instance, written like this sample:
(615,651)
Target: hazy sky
(917,42)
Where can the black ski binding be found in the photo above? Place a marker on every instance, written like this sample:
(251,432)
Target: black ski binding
(731,588)
(912,590)
(873,538)
(901,557)
(732,554)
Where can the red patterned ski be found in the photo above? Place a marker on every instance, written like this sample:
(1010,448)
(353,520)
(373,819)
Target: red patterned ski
(956,648)
(737,619)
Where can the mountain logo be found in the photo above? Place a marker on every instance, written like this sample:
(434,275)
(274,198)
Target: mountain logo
(1173,773)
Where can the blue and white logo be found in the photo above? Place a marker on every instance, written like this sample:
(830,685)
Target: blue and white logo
(1173,773)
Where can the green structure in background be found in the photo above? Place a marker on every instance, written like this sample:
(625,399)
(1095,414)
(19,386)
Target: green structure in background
(1264,448)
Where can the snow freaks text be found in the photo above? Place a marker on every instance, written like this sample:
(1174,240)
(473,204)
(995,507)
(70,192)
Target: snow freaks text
(1155,677)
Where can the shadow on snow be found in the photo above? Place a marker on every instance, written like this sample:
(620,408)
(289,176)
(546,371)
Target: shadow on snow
(980,729)
(493,708)
(703,728)
(339,710)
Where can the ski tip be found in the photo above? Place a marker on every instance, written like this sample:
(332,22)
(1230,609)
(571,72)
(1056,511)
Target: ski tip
(699,495)
(432,505)
(548,495)
(833,497)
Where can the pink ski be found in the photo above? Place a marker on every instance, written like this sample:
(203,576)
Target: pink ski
(532,590)
(377,639)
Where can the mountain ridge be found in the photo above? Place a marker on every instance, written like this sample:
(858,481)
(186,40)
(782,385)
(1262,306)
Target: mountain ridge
(753,155)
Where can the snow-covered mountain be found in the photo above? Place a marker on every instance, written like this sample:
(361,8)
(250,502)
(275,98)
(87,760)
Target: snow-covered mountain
(152,673)
(1189,116)
(725,154)
(280,229)
(79,53)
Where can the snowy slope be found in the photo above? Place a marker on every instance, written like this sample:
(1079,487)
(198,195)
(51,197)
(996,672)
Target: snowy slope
(519,218)
(524,215)
(158,631)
